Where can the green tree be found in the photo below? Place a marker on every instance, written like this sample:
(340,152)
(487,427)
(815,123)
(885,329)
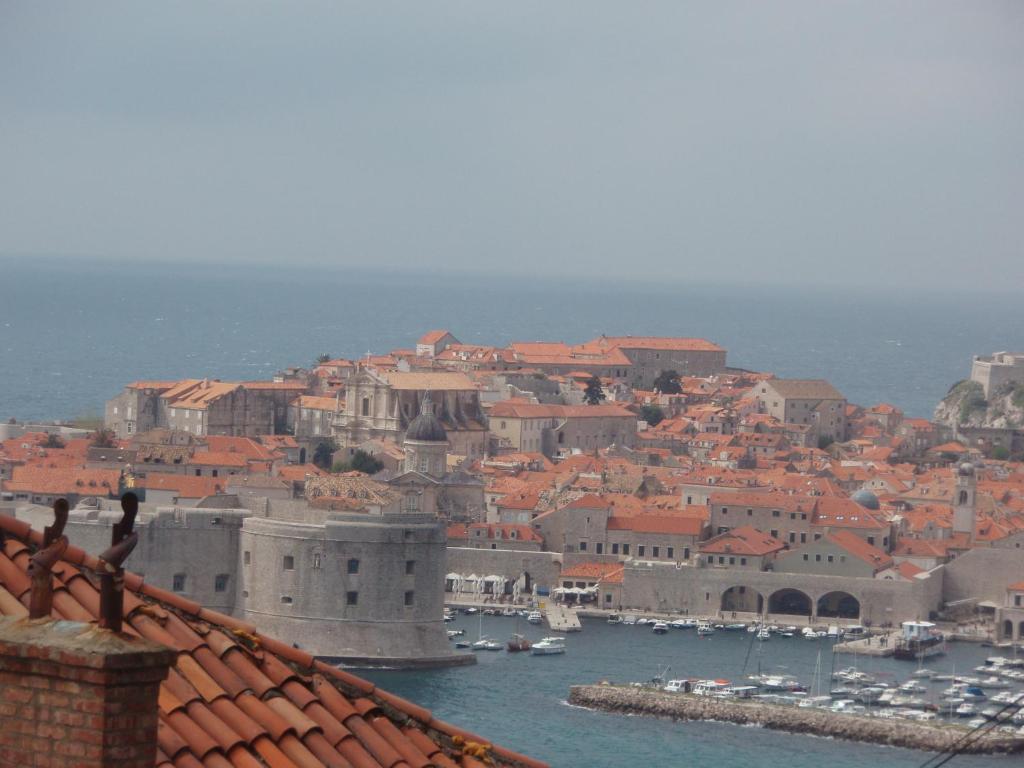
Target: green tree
(652,414)
(667,382)
(1000,453)
(363,462)
(323,452)
(323,358)
(825,441)
(102,438)
(593,394)
(53,441)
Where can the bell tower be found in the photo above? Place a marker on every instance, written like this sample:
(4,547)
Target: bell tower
(964,508)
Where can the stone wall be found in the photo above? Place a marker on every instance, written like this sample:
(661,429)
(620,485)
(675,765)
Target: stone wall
(982,574)
(542,567)
(698,591)
(299,585)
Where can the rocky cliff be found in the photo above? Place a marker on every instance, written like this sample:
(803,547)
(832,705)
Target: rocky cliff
(965,405)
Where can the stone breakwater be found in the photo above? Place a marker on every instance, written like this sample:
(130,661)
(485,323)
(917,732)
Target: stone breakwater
(894,733)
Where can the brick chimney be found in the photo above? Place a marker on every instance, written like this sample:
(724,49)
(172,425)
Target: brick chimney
(77,696)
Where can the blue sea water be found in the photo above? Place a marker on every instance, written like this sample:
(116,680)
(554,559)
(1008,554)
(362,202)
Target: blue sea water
(73,332)
(518,700)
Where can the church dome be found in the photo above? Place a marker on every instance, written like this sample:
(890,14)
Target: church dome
(426,428)
(866,499)
(966,468)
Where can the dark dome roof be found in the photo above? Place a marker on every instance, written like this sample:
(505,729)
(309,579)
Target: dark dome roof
(866,499)
(426,428)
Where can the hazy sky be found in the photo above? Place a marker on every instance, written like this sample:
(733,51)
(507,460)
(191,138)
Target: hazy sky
(820,142)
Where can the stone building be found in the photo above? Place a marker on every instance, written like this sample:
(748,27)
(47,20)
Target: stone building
(558,430)
(312,416)
(382,404)
(806,402)
(203,407)
(997,370)
(360,584)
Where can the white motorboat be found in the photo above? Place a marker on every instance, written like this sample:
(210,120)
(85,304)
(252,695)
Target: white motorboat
(642,621)
(455,633)
(535,617)
(966,710)
(683,624)
(675,686)
(660,628)
(614,619)
(630,620)
(705,628)
(912,686)
(548,646)
(763,634)
(486,644)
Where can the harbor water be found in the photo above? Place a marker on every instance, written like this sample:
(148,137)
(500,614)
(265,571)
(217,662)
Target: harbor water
(519,700)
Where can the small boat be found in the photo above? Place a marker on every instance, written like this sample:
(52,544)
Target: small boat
(548,646)
(676,686)
(509,612)
(705,628)
(535,617)
(630,620)
(736,627)
(683,624)
(763,635)
(922,672)
(966,710)
(486,644)
(490,612)
(642,621)
(470,611)
(912,686)
(517,643)
(452,633)
(462,644)
(614,619)
(660,628)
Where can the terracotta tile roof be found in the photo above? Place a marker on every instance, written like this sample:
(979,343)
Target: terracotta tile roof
(507,409)
(839,512)
(245,446)
(606,573)
(908,570)
(745,540)
(316,403)
(590,501)
(186,486)
(504,531)
(436,382)
(519,501)
(656,342)
(1017,587)
(681,525)
(236,697)
(218,459)
(432,337)
(859,548)
(57,481)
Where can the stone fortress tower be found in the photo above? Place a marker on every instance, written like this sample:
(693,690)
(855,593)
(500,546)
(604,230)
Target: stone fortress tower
(964,506)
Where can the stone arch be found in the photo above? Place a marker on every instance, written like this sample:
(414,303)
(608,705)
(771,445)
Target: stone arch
(1007,630)
(838,605)
(302,455)
(1020,631)
(790,601)
(742,598)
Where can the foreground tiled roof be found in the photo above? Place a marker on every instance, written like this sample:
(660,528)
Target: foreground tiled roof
(236,697)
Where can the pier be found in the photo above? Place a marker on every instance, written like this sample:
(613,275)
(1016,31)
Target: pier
(681,706)
(872,645)
(561,618)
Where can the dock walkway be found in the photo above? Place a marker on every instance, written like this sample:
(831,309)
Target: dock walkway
(562,619)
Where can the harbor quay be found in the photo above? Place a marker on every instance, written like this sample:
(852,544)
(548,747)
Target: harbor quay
(633,700)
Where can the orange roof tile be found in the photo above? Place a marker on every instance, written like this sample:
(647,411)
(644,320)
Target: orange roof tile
(606,573)
(745,540)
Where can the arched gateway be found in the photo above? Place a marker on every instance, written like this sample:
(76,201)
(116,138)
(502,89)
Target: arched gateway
(838,605)
(791,601)
(741,598)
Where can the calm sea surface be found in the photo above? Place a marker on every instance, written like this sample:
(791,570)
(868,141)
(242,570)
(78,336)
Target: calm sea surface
(73,333)
(518,700)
